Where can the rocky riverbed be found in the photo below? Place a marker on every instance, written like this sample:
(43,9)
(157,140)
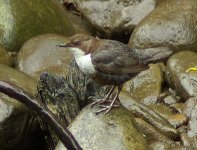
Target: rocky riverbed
(158,106)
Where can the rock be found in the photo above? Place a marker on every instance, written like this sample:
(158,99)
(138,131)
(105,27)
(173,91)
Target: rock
(185,140)
(158,2)
(192,131)
(185,83)
(115,130)
(142,111)
(151,134)
(178,107)
(146,86)
(40,54)
(163,110)
(5,57)
(22,20)
(168,100)
(178,119)
(18,78)
(173,24)
(164,146)
(189,106)
(16,121)
(80,24)
(115,18)
(160,146)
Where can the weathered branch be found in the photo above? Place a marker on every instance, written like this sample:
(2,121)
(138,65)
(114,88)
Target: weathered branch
(60,129)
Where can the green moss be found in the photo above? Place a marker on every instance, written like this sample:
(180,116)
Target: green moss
(21,20)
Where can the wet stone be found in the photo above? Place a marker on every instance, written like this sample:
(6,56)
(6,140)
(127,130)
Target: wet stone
(185,140)
(178,107)
(17,21)
(160,146)
(115,130)
(115,18)
(146,86)
(163,110)
(193,122)
(41,54)
(189,106)
(80,24)
(178,120)
(142,111)
(172,23)
(151,134)
(185,83)
(168,100)
(182,129)
(163,146)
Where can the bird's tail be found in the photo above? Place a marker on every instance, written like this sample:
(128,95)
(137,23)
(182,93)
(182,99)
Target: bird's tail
(154,54)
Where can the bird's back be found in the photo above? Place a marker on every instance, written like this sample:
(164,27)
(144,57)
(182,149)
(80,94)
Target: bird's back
(115,62)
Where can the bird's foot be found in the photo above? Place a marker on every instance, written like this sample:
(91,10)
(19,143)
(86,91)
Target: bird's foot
(107,104)
(106,108)
(99,102)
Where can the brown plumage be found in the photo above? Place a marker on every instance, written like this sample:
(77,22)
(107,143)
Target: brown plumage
(111,62)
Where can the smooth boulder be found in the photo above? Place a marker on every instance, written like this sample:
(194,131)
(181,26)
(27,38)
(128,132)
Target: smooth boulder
(116,130)
(185,83)
(172,24)
(21,20)
(115,18)
(41,54)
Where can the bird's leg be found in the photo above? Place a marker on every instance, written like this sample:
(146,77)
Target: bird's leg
(109,107)
(101,101)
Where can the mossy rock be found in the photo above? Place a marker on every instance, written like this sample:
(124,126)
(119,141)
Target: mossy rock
(5,57)
(21,20)
(116,130)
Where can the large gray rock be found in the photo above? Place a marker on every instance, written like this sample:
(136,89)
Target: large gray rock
(21,20)
(185,83)
(116,130)
(115,17)
(146,86)
(173,23)
(193,123)
(40,54)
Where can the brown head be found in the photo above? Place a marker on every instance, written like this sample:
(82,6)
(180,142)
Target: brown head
(80,44)
(83,42)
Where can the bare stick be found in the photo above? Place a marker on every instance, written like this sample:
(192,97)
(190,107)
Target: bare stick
(60,129)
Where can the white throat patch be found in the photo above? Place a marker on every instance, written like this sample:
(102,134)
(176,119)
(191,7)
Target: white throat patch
(85,64)
(77,52)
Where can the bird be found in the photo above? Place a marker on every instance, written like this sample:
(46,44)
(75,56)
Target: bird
(110,62)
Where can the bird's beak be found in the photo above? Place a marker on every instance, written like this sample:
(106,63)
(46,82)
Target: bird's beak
(63,45)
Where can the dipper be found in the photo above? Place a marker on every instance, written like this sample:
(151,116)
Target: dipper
(110,62)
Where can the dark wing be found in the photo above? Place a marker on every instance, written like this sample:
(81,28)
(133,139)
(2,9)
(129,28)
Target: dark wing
(116,59)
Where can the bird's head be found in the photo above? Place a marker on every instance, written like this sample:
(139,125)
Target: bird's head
(79,44)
